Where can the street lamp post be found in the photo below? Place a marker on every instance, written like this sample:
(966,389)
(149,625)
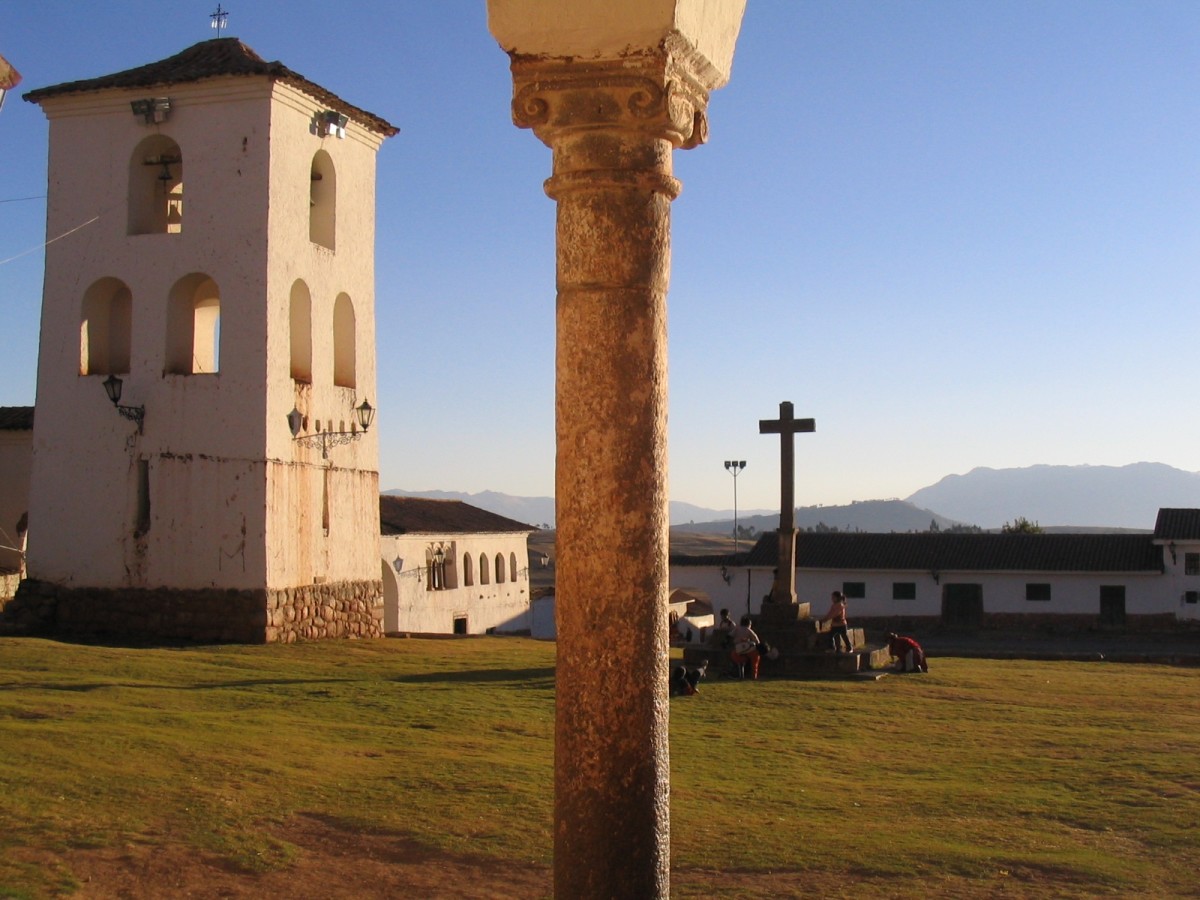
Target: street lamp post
(734,467)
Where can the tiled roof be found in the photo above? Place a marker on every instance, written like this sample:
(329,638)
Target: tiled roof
(16,418)
(1177,524)
(211,59)
(966,552)
(710,559)
(402,515)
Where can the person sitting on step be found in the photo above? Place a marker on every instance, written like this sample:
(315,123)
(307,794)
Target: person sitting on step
(745,649)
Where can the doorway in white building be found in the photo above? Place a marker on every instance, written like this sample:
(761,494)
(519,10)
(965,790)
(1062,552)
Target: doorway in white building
(962,606)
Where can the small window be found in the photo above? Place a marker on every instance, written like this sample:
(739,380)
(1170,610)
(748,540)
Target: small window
(483,569)
(156,187)
(904,590)
(344,342)
(300,333)
(1038,592)
(1191,597)
(322,200)
(854,590)
(194,327)
(499,568)
(512,567)
(1191,564)
(468,571)
(435,570)
(105,325)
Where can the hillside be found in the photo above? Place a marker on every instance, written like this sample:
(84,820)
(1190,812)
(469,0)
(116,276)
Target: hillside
(539,511)
(866,515)
(1110,496)
(1077,498)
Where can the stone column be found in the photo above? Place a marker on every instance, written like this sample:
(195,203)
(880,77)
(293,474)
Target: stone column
(612,119)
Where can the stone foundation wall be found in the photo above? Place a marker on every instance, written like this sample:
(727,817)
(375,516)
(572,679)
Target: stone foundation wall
(313,612)
(1049,623)
(1029,623)
(351,609)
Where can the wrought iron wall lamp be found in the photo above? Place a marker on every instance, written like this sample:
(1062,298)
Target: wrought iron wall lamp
(364,413)
(112,387)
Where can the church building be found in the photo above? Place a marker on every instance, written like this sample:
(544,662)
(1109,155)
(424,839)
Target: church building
(203,466)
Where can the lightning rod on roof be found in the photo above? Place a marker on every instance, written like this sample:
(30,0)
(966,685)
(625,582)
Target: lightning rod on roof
(220,19)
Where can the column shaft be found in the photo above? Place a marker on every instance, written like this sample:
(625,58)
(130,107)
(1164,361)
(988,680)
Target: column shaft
(612,763)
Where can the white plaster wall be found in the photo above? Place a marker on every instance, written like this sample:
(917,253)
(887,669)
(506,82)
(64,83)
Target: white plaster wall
(84,486)
(16,459)
(543,625)
(301,550)
(222,515)
(410,607)
(1071,594)
(1175,569)
(731,596)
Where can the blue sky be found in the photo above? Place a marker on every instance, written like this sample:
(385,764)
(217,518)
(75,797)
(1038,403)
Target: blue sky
(956,234)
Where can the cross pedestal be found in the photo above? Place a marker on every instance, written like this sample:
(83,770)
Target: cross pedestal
(783,590)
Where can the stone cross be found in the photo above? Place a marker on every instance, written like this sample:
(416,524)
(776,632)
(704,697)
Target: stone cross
(786,426)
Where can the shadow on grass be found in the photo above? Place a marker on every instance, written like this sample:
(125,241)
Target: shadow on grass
(532,677)
(211,686)
(539,677)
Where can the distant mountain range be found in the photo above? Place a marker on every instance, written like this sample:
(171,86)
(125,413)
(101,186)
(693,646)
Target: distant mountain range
(536,511)
(1085,497)
(865,515)
(1119,496)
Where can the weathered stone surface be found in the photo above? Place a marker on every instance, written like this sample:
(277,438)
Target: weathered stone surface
(612,121)
(311,613)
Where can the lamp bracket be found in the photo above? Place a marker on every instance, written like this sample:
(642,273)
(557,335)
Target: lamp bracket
(133,414)
(327,439)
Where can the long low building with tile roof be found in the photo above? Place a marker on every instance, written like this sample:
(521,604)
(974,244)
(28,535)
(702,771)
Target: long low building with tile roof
(452,568)
(975,580)
(16,451)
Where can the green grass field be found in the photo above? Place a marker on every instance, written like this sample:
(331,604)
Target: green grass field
(983,778)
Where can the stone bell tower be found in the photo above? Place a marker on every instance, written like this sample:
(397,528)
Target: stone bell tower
(211,276)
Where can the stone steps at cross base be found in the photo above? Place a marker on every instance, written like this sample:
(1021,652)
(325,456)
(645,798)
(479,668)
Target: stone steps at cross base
(805,647)
(796,664)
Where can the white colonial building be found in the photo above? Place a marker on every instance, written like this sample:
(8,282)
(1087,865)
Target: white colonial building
(1079,580)
(214,281)
(452,568)
(16,453)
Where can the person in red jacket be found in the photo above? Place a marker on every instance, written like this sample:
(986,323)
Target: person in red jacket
(907,652)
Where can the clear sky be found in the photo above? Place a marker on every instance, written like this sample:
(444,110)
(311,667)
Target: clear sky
(956,234)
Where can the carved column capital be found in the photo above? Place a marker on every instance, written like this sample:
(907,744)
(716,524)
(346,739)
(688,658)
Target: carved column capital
(656,95)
